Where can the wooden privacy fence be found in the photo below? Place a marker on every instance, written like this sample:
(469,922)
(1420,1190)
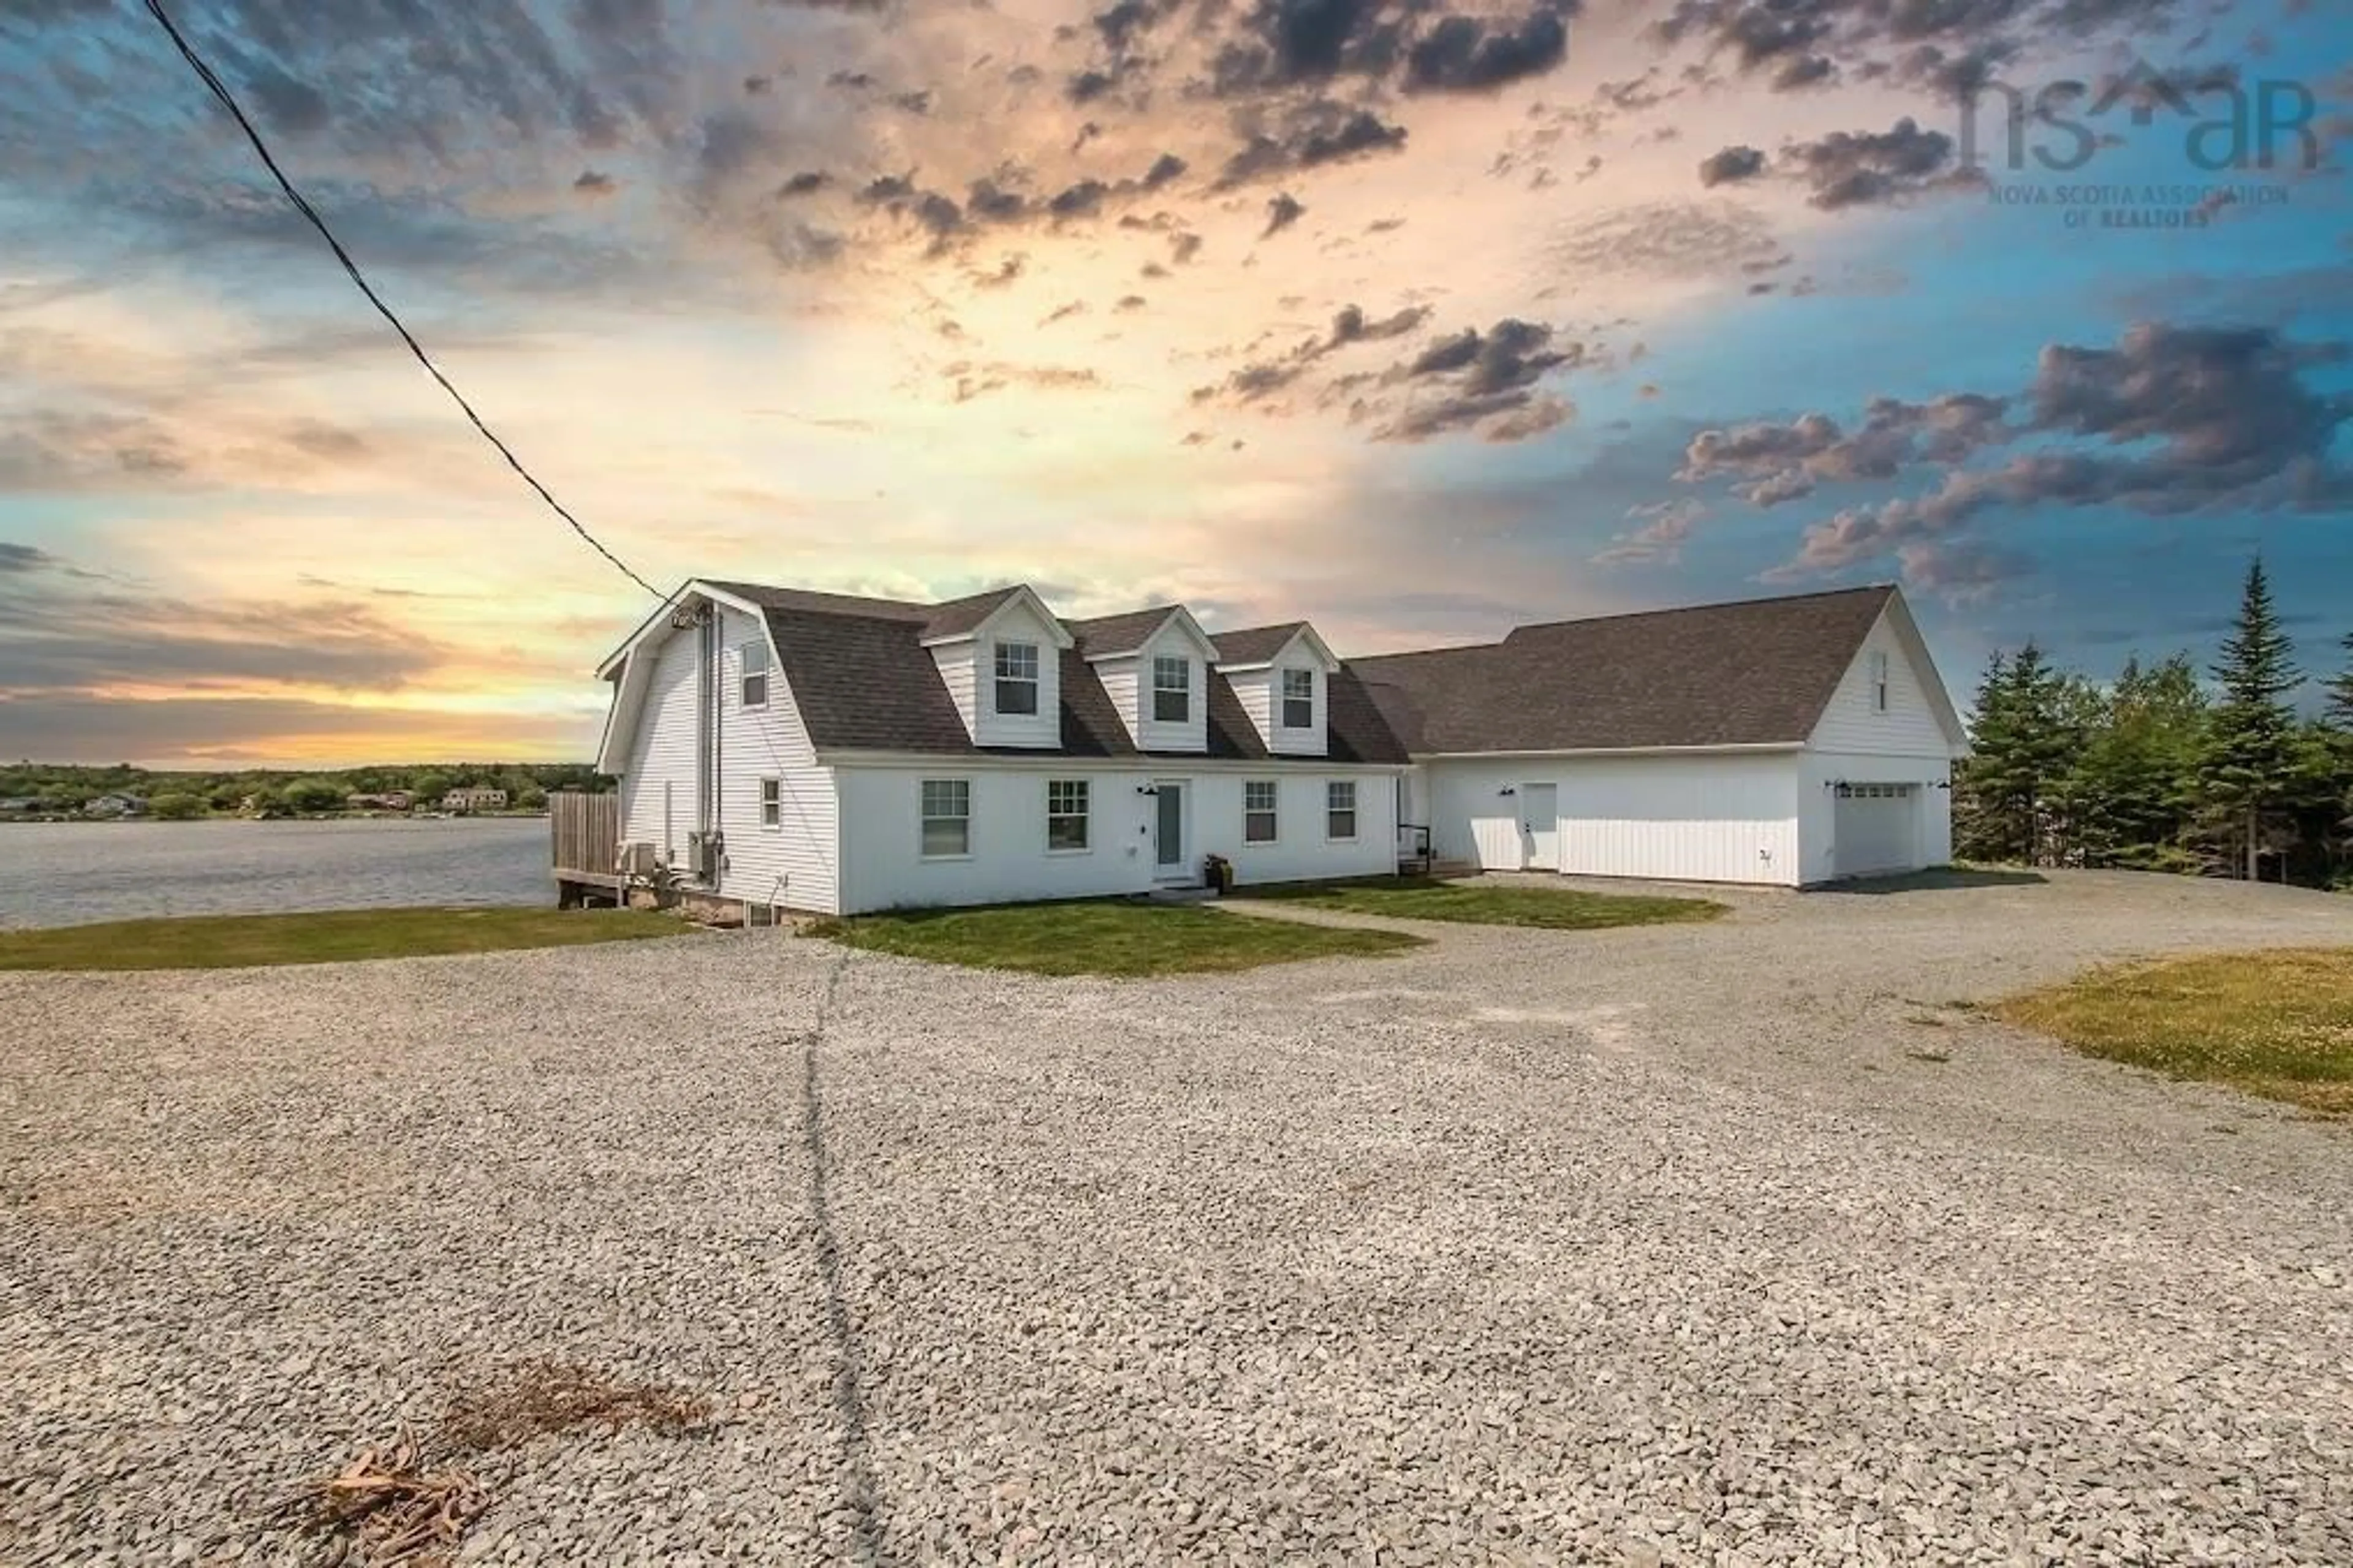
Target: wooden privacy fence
(585,831)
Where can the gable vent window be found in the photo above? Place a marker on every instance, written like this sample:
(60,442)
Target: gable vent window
(1066,814)
(754,664)
(1340,809)
(1879,683)
(1172,689)
(1016,678)
(947,817)
(1298,699)
(1258,811)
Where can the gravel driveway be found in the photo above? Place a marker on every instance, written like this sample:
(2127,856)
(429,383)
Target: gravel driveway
(1715,1243)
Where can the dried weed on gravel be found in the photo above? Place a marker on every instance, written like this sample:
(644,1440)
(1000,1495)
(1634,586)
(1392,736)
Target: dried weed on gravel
(545,1397)
(395,1505)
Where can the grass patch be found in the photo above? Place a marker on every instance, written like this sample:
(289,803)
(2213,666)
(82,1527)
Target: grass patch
(1476,903)
(338,936)
(2279,1025)
(1097,938)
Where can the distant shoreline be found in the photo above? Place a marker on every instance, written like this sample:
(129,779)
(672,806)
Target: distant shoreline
(15,819)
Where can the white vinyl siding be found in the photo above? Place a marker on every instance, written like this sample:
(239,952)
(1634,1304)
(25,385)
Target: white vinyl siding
(1066,816)
(1703,817)
(883,868)
(947,832)
(1340,811)
(796,863)
(1854,722)
(659,782)
(1260,814)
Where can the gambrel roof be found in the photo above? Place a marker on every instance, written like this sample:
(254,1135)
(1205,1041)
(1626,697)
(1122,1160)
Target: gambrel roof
(864,680)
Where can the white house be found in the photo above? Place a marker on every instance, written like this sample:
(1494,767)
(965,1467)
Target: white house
(831,753)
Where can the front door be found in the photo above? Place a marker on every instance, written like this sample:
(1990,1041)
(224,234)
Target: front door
(1168,829)
(1540,826)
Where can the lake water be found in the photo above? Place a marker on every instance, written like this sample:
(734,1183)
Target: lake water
(68,872)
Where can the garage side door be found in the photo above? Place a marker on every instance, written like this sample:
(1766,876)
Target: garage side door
(1872,830)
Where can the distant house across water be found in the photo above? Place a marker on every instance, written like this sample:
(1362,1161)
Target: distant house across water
(474,800)
(389,800)
(115,806)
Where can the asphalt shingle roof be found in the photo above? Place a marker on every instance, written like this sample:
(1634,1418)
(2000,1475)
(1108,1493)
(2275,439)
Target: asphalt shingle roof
(1254,645)
(1106,637)
(1759,672)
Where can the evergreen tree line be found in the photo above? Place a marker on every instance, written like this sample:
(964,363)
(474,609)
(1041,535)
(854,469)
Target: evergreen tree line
(2160,771)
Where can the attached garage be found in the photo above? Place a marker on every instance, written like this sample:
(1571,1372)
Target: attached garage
(1794,742)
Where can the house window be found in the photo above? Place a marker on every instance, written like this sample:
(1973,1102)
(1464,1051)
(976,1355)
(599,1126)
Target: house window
(1066,814)
(1340,809)
(1172,689)
(947,817)
(1016,678)
(772,803)
(1258,811)
(755,663)
(1879,683)
(1298,699)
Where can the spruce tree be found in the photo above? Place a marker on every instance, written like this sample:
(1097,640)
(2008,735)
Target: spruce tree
(2340,691)
(2020,748)
(2250,754)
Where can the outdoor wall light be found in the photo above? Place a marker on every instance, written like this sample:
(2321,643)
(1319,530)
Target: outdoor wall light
(1147,789)
(1507,789)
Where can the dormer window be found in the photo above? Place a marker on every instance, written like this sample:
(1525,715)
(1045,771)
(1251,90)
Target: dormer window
(1016,678)
(1172,689)
(1298,699)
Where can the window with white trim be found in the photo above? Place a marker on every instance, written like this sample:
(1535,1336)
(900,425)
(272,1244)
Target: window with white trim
(1298,699)
(1258,811)
(753,661)
(947,818)
(1340,809)
(1172,688)
(1066,814)
(772,803)
(1879,683)
(1016,678)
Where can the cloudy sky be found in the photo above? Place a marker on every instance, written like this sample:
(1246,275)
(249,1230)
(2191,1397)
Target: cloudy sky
(1414,317)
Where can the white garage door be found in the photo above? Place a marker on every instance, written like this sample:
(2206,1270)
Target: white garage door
(1872,831)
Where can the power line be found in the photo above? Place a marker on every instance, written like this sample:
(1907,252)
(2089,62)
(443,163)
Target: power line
(302,204)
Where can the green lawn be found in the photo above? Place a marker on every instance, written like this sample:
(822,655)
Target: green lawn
(2274,1024)
(1102,938)
(1474,903)
(236,941)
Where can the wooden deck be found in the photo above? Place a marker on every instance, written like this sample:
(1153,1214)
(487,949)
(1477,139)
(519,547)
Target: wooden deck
(584,843)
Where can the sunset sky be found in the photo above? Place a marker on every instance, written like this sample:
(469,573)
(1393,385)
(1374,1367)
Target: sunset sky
(1410,316)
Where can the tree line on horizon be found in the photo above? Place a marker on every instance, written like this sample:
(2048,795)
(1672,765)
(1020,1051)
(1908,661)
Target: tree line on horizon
(2161,769)
(63,790)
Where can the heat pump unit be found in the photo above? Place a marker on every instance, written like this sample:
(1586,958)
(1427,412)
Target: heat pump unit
(639,858)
